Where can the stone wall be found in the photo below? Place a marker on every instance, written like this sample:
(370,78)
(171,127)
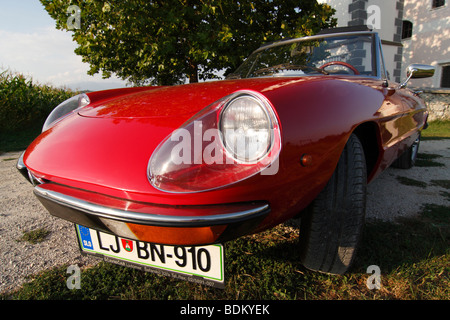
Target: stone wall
(438,102)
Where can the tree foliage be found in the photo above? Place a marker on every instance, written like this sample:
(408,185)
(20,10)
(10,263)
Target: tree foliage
(167,41)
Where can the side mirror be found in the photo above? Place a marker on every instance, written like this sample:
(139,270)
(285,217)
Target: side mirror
(416,71)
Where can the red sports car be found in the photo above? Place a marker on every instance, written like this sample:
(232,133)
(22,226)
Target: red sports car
(160,177)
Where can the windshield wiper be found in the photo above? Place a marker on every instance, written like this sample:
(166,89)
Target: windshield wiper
(289,66)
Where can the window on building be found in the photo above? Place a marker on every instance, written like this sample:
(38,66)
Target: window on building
(438,3)
(407,27)
(445,77)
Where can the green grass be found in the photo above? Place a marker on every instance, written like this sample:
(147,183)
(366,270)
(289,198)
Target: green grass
(413,255)
(427,160)
(411,182)
(437,130)
(35,236)
(428,156)
(428,163)
(445,195)
(441,183)
(421,184)
(17,141)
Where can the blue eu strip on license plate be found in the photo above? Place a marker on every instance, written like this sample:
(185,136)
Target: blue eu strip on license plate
(204,265)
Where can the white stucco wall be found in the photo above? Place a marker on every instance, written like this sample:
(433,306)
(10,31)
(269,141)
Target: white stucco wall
(430,41)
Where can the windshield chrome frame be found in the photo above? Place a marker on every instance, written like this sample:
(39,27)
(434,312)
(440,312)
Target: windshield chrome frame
(377,54)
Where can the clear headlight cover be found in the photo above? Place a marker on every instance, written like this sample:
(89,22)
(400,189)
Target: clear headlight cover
(65,108)
(234,138)
(246,128)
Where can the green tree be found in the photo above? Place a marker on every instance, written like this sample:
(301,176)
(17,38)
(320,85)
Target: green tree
(167,41)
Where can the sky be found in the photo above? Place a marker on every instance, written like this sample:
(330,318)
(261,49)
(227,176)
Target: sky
(31,45)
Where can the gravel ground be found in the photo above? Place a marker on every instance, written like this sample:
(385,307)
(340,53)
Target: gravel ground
(20,211)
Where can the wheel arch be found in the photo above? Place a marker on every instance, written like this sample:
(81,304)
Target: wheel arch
(369,135)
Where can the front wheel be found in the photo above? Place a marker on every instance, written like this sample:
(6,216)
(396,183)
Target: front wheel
(331,228)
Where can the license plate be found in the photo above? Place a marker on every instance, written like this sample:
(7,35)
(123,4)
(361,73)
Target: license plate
(200,264)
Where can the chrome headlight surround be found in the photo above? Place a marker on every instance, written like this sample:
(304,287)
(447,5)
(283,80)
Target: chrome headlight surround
(64,109)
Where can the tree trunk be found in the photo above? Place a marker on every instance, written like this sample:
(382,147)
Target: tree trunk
(193,72)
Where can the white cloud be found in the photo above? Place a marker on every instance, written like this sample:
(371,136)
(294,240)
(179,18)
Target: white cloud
(47,55)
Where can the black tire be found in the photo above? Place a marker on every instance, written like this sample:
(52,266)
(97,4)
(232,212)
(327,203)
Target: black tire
(408,158)
(331,227)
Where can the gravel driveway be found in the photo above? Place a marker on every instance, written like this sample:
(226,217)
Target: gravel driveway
(20,211)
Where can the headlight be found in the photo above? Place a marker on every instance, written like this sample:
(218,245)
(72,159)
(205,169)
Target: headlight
(232,139)
(65,108)
(246,128)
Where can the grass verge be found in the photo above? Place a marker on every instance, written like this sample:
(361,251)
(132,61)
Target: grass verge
(18,141)
(439,129)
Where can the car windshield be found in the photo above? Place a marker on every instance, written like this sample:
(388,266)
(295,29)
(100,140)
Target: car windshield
(343,55)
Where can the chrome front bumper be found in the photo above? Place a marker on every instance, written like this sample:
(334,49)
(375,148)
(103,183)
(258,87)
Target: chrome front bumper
(172,225)
(207,215)
(165,224)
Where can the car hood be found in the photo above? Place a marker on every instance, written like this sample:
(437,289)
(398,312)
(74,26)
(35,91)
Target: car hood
(152,103)
(175,101)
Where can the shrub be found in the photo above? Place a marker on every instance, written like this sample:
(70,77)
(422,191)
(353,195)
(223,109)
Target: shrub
(24,104)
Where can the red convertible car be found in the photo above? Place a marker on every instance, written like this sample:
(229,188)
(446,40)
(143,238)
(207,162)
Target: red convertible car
(160,177)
